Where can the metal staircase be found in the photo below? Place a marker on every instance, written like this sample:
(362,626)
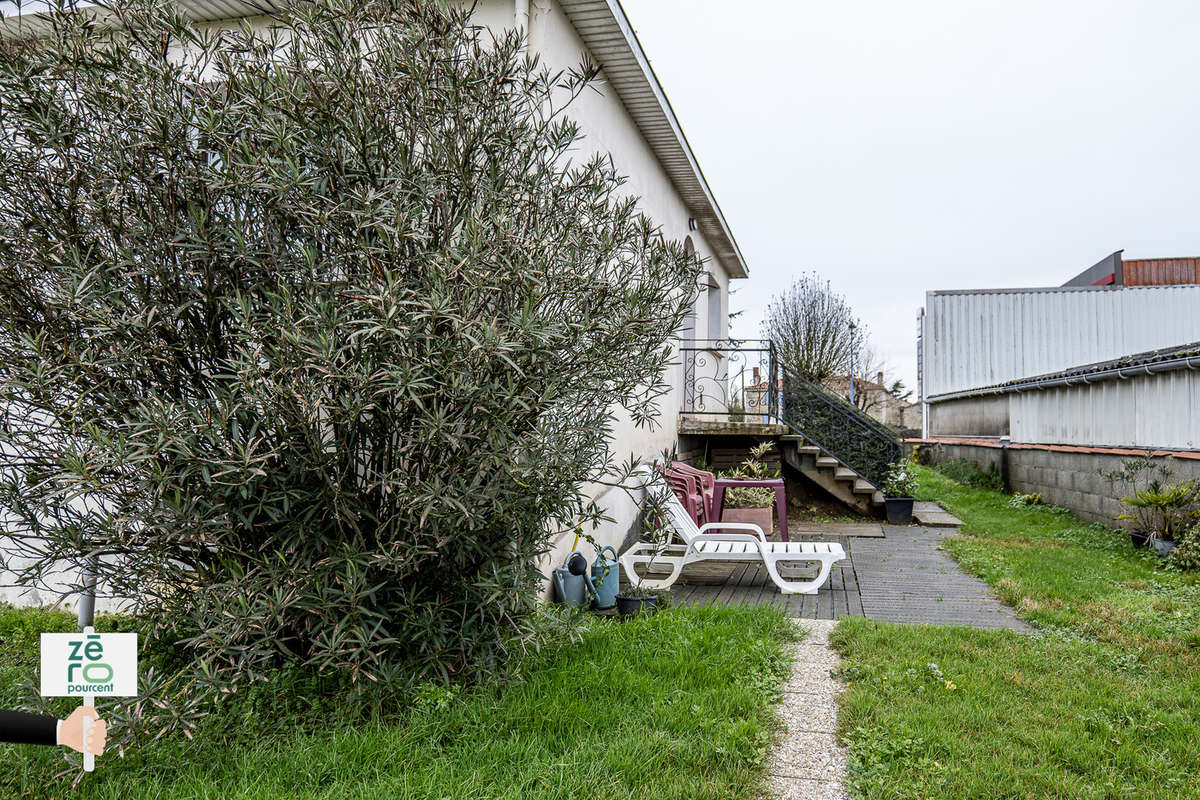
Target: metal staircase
(831,442)
(834,444)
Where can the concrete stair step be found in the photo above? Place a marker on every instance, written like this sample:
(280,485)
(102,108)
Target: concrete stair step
(877,498)
(826,472)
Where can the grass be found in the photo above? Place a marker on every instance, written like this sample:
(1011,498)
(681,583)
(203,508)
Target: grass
(677,705)
(1102,701)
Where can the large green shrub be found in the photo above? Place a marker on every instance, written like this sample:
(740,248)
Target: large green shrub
(313,335)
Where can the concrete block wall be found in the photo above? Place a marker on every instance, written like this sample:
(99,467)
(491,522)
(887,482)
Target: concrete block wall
(1070,479)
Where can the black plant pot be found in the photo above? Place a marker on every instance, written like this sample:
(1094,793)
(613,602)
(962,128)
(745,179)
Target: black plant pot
(633,606)
(1138,539)
(899,510)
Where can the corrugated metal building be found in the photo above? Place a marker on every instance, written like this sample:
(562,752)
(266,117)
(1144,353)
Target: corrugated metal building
(1053,386)
(1115,270)
(1161,271)
(1091,366)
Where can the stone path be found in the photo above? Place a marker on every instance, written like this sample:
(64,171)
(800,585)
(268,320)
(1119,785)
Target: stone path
(931,515)
(903,576)
(807,762)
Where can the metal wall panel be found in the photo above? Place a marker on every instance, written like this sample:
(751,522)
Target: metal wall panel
(1151,411)
(982,338)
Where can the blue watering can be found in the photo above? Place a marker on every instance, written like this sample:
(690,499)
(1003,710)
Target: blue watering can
(605,579)
(570,580)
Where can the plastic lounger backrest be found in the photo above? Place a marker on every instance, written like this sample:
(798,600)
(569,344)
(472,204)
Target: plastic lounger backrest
(677,515)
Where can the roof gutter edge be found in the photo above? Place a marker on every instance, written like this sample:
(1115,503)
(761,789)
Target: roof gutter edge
(1114,373)
(738,269)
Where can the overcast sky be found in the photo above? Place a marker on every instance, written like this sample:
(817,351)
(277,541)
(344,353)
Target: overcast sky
(899,147)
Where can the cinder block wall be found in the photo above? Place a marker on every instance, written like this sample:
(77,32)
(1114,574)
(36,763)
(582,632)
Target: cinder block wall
(1068,479)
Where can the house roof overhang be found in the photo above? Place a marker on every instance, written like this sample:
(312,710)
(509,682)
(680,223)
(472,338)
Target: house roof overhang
(608,35)
(610,38)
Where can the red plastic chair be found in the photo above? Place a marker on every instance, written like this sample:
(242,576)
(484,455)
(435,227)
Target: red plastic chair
(688,491)
(708,493)
(705,484)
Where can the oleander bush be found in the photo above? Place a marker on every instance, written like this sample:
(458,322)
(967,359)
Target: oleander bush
(313,334)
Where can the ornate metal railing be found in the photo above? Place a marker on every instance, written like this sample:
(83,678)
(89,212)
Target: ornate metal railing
(838,428)
(736,380)
(743,381)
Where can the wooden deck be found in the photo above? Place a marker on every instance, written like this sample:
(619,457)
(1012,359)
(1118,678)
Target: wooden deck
(902,576)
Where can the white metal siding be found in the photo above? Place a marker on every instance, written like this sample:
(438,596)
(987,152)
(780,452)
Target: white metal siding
(980,339)
(1152,411)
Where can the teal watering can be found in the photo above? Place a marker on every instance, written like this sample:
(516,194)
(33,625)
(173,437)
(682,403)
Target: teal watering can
(570,580)
(605,579)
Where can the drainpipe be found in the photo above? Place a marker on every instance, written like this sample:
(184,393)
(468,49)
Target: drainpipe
(522,20)
(86,611)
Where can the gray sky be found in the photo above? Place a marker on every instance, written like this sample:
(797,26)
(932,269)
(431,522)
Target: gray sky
(899,147)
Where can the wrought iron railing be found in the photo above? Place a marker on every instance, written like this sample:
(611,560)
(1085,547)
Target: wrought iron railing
(743,381)
(733,379)
(841,430)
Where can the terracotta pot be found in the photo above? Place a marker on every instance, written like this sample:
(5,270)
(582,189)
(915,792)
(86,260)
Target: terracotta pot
(762,517)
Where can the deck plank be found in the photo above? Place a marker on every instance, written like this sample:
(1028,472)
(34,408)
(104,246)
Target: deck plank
(902,576)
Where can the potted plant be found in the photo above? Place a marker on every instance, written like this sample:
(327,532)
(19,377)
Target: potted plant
(753,504)
(1170,507)
(898,489)
(636,599)
(1161,508)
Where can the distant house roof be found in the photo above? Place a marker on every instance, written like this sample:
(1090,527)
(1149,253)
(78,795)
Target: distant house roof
(605,30)
(841,383)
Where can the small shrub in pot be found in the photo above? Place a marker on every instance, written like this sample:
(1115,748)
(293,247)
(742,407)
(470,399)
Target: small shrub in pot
(751,503)
(898,490)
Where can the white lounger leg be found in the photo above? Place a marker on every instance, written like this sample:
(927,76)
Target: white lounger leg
(632,557)
(798,587)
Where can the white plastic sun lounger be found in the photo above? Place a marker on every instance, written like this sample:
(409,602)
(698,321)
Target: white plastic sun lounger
(699,545)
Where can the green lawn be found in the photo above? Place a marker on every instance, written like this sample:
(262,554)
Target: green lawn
(1102,702)
(673,706)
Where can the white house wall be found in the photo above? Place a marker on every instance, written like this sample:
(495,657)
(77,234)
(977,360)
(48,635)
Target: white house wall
(608,128)
(977,339)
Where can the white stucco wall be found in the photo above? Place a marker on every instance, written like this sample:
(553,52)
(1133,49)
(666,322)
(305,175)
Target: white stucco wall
(609,128)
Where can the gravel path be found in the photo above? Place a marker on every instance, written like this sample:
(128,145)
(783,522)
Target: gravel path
(807,762)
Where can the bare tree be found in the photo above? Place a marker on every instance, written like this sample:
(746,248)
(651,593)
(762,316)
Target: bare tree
(815,331)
